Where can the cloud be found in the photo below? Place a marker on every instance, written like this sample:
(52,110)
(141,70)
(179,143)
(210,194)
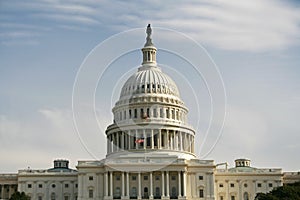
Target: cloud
(231,25)
(38,140)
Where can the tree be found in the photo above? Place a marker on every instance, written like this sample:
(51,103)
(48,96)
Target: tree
(19,196)
(286,192)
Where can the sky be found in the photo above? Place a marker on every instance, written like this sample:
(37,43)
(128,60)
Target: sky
(243,96)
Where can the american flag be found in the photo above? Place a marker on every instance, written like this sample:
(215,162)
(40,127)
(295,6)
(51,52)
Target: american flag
(138,141)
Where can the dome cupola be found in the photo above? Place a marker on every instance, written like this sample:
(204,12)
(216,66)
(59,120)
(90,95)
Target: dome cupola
(150,115)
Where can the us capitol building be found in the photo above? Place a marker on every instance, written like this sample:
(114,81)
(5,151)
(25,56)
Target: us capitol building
(150,154)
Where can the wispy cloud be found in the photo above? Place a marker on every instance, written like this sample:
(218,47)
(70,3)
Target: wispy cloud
(233,25)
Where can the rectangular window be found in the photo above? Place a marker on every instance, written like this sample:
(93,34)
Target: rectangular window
(66,197)
(76,185)
(200,178)
(40,186)
(145,178)
(270,185)
(91,178)
(221,185)
(117,178)
(40,198)
(173,178)
(232,197)
(91,193)
(154,112)
(201,193)
(29,186)
(157,178)
(221,198)
(231,184)
(66,185)
(133,178)
(135,113)
(130,114)
(258,184)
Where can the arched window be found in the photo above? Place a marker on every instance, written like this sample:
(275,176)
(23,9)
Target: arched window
(157,192)
(117,193)
(146,195)
(133,192)
(246,196)
(173,192)
(52,196)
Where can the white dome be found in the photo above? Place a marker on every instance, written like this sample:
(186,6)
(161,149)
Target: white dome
(149,79)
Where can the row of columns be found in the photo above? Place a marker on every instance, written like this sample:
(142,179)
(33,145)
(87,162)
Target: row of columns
(153,139)
(125,189)
(4,193)
(157,112)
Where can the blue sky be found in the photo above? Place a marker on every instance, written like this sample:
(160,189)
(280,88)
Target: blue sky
(254,44)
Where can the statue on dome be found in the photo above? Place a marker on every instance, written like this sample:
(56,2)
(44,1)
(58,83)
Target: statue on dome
(149,32)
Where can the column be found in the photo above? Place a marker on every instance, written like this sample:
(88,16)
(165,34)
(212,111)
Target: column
(122,141)
(111,143)
(168,185)
(180,138)
(123,186)
(179,184)
(139,185)
(145,139)
(159,139)
(127,185)
(136,137)
(151,186)
(111,185)
(118,142)
(129,141)
(152,139)
(171,140)
(184,184)
(167,140)
(107,142)
(162,185)
(80,186)
(106,184)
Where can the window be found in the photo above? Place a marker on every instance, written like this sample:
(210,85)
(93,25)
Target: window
(173,178)
(52,196)
(135,113)
(232,198)
(130,114)
(221,185)
(76,185)
(66,185)
(201,178)
(246,196)
(221,198)
(231,184)
(117,193)
(117,178)
(258,184)
(40,198)
(157,192)
(53,185)
(66,197)
(154,112)
(145,178)
(173,192)
(245,185)
(133,192)
(91,193)
(29,186)
(157,178)
(270,185)
(91,178)
(133,178)
(40,186)
(201,193)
